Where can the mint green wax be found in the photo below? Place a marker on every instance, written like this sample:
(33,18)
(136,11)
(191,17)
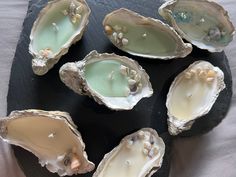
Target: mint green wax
(49,36)
(105,78)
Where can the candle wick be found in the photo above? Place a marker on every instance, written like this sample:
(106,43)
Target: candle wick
(144,35)
(51,135)
(55,27)
(127,162)
(189,95)
(111,75)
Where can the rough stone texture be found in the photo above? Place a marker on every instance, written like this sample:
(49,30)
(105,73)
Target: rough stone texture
(101,128)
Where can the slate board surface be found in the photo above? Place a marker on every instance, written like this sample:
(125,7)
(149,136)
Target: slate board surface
(101,128)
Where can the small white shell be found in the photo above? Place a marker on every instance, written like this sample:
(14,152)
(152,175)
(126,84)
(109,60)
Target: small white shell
(49,135)
(144,36)
(192,95)
(45,58)
(139,155)
(204,23)
(73,75)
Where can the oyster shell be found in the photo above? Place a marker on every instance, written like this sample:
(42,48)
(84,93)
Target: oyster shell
(144,36)
(60,24)
(192,95)
(49,135)
(115,81)
(204,23)
(138,155)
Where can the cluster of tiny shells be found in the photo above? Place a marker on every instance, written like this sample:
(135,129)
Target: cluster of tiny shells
(134,79)
(117,34)
(206,74)
(149,148)
(74,12)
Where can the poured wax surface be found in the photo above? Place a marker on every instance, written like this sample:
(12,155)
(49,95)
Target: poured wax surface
(54,37)
(105,78)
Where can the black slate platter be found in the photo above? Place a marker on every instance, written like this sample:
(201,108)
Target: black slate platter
(101,128)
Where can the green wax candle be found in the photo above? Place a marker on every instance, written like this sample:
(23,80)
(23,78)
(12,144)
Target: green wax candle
(198,27)
(105,78)
(56,28)
(144,36)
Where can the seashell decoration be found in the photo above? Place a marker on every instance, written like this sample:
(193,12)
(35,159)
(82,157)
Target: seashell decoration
(138,155)
(49,135)
(192,95)
(115,81)
(144,36)
(59,25)
(204,23)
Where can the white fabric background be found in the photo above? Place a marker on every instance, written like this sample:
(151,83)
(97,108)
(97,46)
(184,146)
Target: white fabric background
(210,155)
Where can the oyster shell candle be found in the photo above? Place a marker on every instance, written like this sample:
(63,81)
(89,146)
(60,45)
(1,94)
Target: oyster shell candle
(192,95)
(116,81)
(138,155)
(144,36)
(51,136)
(60,24)
(204,23)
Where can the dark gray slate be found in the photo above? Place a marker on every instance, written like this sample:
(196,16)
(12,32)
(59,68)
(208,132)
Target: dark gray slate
(102,129)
